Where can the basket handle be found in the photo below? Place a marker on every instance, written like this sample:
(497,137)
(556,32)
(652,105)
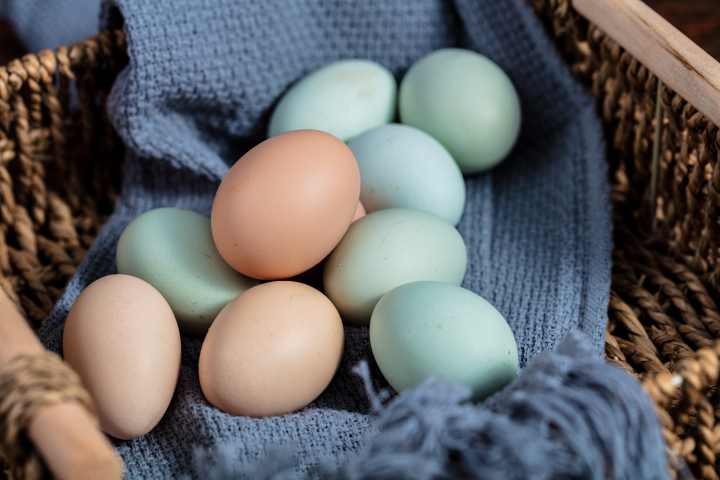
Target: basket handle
(662,48)
(63,431)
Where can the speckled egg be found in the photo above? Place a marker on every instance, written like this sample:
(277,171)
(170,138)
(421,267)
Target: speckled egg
(423,329)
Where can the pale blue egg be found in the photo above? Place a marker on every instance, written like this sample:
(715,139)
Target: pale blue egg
(466,102)
(401,166)
(386,249)
(344,99)
(173,250)
(423,329)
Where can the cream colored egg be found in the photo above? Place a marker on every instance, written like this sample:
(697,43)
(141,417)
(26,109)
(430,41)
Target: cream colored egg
(271,351)
(122,339)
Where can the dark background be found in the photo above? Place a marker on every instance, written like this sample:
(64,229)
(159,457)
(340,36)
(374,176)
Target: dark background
(698,19)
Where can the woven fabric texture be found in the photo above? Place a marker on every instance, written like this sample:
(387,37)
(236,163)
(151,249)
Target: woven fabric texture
(46,24)
(202,80)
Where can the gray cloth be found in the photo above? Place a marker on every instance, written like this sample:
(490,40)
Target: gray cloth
(45,24)
(202,79)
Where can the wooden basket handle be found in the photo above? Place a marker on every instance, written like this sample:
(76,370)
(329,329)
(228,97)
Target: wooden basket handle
(662,48)
(62,431)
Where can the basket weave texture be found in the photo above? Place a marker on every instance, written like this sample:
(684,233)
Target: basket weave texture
(663,316)
(60,174)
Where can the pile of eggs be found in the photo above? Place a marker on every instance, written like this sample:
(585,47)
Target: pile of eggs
(290,216)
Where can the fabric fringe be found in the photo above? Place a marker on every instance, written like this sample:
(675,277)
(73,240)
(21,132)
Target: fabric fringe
(569,415)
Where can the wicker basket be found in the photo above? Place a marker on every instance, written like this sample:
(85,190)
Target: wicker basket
(60,174)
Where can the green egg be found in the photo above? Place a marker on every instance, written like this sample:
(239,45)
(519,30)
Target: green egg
(173,250)
(386,249)
(466,102)
(423,329)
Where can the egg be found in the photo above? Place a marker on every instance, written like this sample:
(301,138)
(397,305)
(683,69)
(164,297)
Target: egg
(123,341)
(401,166)
(466,102)
(173,250)
(344,99)
(313,277)
(386,249)
(422,329)
(359,212)
(285,204)
(271,351)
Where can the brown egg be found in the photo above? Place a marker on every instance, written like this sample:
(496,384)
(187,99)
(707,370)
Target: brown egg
(122,338)
(286,204)
(359,212)
(271,351)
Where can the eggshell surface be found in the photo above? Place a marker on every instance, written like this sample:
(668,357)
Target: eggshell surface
(401,166)
(466,102)
(386,249)
(359,212)
(123,341)
(271,351)
(285,204)
(173,250)
(344,99)
(423,329)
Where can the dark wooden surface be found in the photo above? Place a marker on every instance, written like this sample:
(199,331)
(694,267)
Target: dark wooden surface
(698,19)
